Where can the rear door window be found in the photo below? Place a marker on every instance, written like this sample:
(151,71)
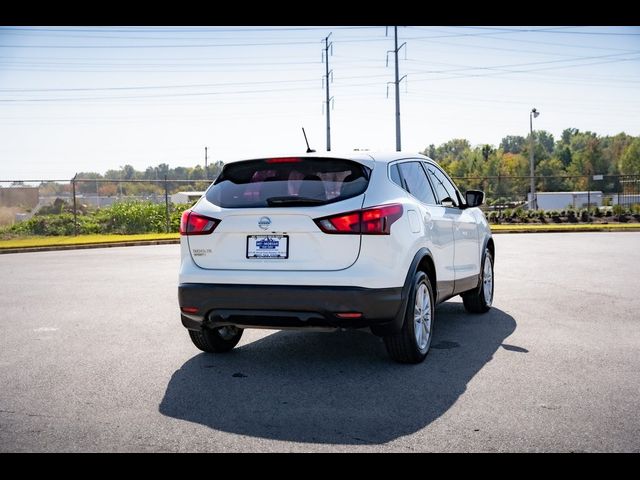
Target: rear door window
(412,177)
(288,182)
(443,186)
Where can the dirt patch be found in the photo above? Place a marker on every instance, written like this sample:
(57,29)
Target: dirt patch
(8,215)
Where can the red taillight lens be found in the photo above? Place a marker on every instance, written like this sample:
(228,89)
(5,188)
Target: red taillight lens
(190,309)
(192,223)
(343,223)
(283,160)
(378,220)
(370,221)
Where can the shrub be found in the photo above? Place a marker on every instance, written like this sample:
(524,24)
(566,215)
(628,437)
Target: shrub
(124,218)
(136,217)
(45,225)
(584,215)
(540,215)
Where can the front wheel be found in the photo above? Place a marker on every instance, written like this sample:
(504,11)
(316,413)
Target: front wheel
(216,340)
(480,299)
(412,343)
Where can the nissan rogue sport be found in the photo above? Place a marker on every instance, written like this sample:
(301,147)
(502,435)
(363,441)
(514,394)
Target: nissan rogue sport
(326,241)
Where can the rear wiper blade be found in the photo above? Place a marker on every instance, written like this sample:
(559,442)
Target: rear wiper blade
(276,201)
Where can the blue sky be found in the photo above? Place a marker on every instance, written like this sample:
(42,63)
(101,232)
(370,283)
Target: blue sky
(96,98)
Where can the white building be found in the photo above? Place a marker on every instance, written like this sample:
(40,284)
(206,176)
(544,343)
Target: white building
(564,200)
(625,198)
(185,197)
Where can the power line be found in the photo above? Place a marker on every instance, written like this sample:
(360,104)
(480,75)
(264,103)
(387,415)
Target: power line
(510,40)
(184,29)
(205,45)
(507,31)
(152,87)
(497,70)
(557,30)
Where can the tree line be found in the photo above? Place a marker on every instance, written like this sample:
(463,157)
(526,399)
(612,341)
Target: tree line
(122,186)
(565,164)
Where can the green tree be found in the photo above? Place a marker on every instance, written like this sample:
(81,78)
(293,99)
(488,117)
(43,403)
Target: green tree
(128,172)
(430,151)
(163,169)
(87,187)
(512,144)
(630,159)
(197,173)
(486,151)
(563,153)
(545,141)
(567,135)
(548,173)
(613,148)
(453,150)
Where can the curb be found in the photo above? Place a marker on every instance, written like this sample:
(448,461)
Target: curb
(50,248)
(566,230)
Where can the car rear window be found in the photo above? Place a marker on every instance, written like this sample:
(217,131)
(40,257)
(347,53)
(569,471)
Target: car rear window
(288,182)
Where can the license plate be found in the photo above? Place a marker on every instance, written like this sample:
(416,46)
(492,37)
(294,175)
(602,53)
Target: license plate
(267,246)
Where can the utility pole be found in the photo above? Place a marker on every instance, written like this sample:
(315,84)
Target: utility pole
(75,206)
(206,168)
(326,77)
(397,86)
(533,114)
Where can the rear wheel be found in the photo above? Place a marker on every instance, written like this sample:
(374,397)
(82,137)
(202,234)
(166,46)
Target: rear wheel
(412,343)
(480,299)
(216,340)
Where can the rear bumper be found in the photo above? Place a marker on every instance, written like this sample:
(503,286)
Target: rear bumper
(288,306)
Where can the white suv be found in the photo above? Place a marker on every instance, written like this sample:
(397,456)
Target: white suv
(326,241)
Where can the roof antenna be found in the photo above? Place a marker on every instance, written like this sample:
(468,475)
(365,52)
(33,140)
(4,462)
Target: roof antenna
(305,139)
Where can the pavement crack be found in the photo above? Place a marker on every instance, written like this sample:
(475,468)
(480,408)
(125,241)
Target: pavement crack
(27,414)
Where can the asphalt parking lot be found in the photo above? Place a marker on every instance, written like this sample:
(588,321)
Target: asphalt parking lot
(93,358)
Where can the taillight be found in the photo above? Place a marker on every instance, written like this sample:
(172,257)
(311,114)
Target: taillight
(192,223)
(283,160)
(190,309)
(369,221)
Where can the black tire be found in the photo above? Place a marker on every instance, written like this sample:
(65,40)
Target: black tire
(404,346)
(216,340)
(480,299)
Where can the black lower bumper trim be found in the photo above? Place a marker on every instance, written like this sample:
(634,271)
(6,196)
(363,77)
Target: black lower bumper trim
(287,306)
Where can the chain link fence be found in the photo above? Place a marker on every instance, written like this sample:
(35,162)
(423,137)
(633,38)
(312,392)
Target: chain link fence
(556,192)
(79,201)
(22,200)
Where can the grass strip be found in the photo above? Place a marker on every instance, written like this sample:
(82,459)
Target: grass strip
(566,227)
(49,241)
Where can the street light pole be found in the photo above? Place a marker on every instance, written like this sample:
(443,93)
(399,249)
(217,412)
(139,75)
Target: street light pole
(533,204)
(206,167)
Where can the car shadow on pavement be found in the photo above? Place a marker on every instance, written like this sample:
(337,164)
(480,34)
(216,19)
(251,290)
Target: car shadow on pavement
(335,388)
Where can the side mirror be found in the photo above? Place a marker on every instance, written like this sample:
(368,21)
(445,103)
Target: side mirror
(474,198)
(448,202)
